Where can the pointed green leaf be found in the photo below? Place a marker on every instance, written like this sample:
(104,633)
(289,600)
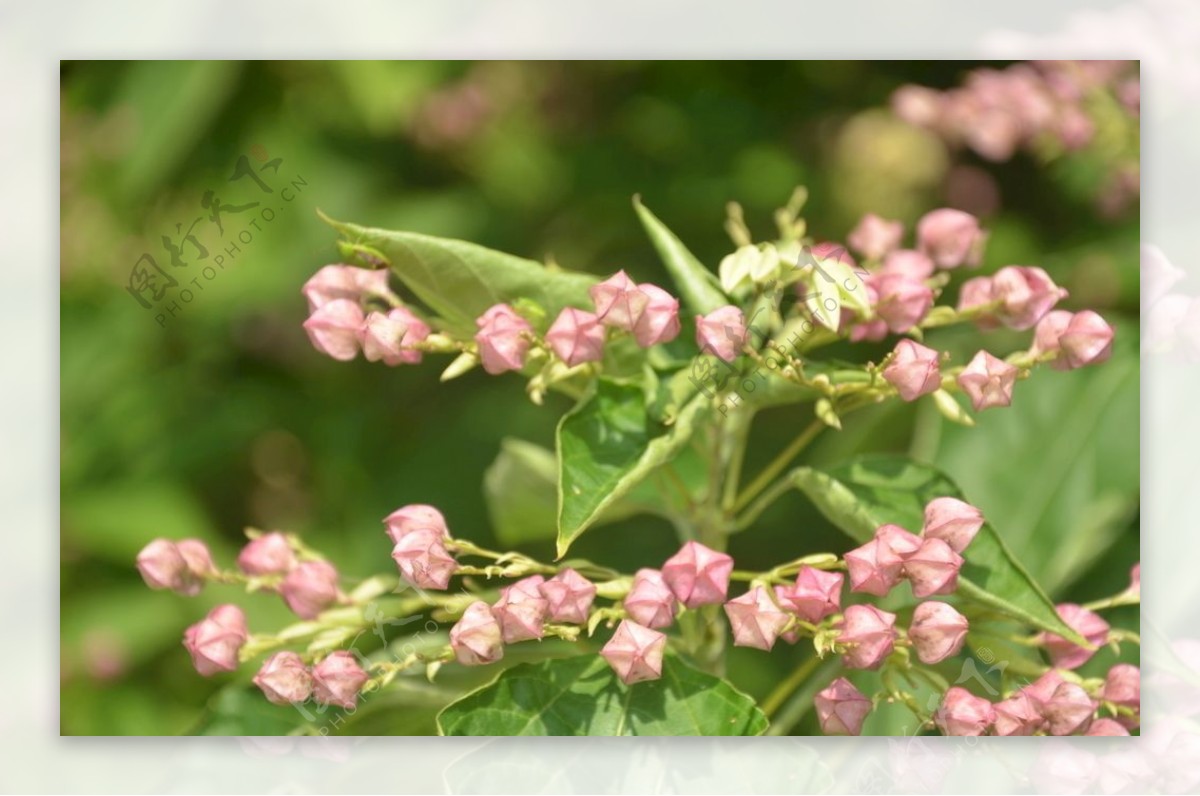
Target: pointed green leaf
(870,491)
(698,286)
(459,280)
(582,696)
(607,445)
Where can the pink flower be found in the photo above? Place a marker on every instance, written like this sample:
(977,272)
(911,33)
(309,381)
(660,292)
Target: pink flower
(310,588)
(1069,709)
(937,631)
(635,653)
(953,521)
(569,596)
(815,595)
(1020,714)
(1041,689)
(576,337)
(423,560)
(284,679)
(337,680)
(829,250)
(933,569)
(1026,294)
(345,282)
(1086,340)
(619,302)
(390,337)
(874,237)
(214,641)
(503,339)
(963,713)
(1123,687)
(901,302)
(868,634)
(698,575)
(950,238)
(988,381)
(907,263)
(841,708)
(755,619)
(1135,579)
(722,332)
(180,566)
(659,323)
(521,610)
(1106,727)
(1066,654)
(416,516)
(913,370)
(476,638)
(269,554)
(875,568)
(333,329)
(977,292)
(650,601)
(1046,335)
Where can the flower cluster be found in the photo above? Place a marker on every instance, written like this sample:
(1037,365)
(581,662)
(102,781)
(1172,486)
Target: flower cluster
(342,320)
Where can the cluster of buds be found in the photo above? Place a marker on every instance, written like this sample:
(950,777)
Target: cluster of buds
(181,566)
(335,680)
(343,318)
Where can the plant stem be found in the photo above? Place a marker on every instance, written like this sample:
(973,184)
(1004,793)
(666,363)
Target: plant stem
(779,464)
(793,681)
(802,700)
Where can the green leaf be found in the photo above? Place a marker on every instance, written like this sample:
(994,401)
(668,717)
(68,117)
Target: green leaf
(870,491)
(240,710)
(582,696)
(698,286)
(607,445)
(459,280)
(519,488)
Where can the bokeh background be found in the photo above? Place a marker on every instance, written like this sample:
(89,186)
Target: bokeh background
(223,416)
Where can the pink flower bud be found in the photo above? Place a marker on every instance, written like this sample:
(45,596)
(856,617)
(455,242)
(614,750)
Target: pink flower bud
(214,641)
(937,631)
(933,569)
(269,554)
(199,560)
(869,635)
(722,332)
(874,237)
(755,619)
(1087,340)
(698,575)
(953,521)
(1106,727)
(476,638)
(977,292)
(1064,653)
(909,264)
(988,381)
(841,708)
(900,302)
(1020,714)
(950,238)
(650,601)
(1041,689)
(333,329)
(344,282)
(1068,709)
(503,339)
(815,595)
(619,302)
(337,680)
(963,713)
(163,565)
(423,559)
(1123,686)
(1135,579)
(913,370)
(577,336)
(416,516)
(660,321)
(635,653)
(390,337)
(284,679)
(310,588)
(1046,335)
(521,610)
(569,596)
(829,250)
(1027,294)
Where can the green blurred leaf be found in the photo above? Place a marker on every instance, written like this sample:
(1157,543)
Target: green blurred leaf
(519,488)
(459,280)
(582,696)
(607,445)
(870,491)
(699,287)
(242,710)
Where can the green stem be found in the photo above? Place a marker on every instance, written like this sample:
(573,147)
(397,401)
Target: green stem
(793,681)
(779,464)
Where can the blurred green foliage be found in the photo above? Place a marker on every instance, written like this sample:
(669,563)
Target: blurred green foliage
(223,416)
